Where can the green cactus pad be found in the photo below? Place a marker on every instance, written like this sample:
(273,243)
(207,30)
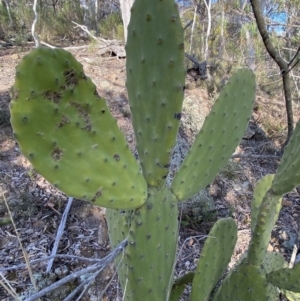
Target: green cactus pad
(288,279)
(118,223)
(68,134)
(261,188)
(246,282)
(287,176)
(215,256)
(179,286)
(274,261)
(221,132)
(151,249)
(266,219)
(155,82)
(177,292)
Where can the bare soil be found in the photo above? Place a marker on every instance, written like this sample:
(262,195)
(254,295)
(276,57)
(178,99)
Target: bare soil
(37,206)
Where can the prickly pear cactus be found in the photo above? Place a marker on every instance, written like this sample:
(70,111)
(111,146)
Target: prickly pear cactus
(288,279)
(67,132)
(215,256)
(226,123)
(288,175)
(155,82)
(261,275)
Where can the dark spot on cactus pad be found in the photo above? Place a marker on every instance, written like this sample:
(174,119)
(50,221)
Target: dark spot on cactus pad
(148,236)
(116,157)
(102,111)
(57,154)
(148,17)
(64,120)
(71,79)
(178,115)
(166,165)
(53,96)
(96,94)
(84,113)
(97,195)
(31,155)
(174,18)
(25,119)
(160,41)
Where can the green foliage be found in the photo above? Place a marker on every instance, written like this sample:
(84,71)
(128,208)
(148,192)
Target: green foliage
(112,27)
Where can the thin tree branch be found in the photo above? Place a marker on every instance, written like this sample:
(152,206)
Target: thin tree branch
(188,25)
(36,40)
(59,234)
(23,265)
(293,58)
(98,266)
(244,156)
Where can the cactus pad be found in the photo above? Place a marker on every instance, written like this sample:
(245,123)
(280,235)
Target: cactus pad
(261,188)
(68,134)
(246,282)
(266,219)
(155,82)
(215,256)
(151,248)
(288,279)
(287,176)
(274,261)
(221,133)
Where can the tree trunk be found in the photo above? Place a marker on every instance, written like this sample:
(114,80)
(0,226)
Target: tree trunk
(283,66)
(125,8)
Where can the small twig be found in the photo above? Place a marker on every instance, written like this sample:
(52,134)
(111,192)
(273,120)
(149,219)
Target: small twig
(48,45)
(60,232)
(290,69)
(6,285)
(110,281)
(32,279)
(188,25)
(293,257)
(293,58)
(244,156)
(36,40)
(85,29)
(78,288)
(99,266)
(23,265)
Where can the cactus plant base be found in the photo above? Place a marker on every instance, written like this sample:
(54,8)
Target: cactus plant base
(146,270)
